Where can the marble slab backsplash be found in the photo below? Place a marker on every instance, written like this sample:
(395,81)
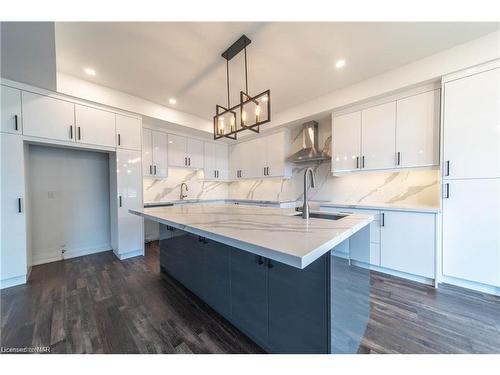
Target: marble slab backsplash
(409,187)
(156,190)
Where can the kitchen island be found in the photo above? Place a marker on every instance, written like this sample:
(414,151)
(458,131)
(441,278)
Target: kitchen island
(270,272)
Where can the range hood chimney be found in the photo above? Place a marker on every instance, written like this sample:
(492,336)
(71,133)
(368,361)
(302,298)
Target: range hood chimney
(309,150)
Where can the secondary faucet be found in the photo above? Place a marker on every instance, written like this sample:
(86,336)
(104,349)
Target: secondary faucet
(182,196)
(305,206)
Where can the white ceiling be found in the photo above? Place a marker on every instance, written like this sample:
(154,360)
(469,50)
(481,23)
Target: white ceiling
(156,61)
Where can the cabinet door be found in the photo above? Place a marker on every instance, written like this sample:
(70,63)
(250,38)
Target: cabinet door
(217,281)
(11,111)
(298,320)
(378,137)
(249,294)
(346,142)
(471,227)
(235,160)
(13,234)
(95,126)
(130,227)
(195,153)
(221,161)
(408,242)
(254,157)
(471,137)
(276,146)
(417,133)
(128,132)
(147,152)
(160,154)
(177,150)
(48,117)
(209,165)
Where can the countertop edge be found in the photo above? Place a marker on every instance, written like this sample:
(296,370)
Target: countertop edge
(432,210)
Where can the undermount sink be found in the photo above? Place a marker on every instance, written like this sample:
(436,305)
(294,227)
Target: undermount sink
(322,215)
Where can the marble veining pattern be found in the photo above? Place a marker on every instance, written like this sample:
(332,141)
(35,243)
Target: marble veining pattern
(275,233)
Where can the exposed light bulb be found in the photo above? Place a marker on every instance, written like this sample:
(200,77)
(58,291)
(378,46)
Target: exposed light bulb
(257,113)
(221,125)
(244,117)
(233,128)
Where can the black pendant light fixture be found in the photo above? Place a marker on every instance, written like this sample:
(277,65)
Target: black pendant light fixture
(250,112)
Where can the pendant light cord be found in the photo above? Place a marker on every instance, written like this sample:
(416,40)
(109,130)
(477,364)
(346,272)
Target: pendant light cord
(227,79)
(246,72)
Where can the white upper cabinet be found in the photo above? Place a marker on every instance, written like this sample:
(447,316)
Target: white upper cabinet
(147,152)
(417,130)
(277,146)
(378,136)
(408,242)
(236,160)
(128,132)
(216,161)
(177,151)
(185,152)
(194,153)
(95,126)
(11,111)
(471,230)
(346,142)
(47,117)
(154,154)
(471,126)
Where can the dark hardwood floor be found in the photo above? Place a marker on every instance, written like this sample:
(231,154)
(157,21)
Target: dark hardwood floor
(97,304)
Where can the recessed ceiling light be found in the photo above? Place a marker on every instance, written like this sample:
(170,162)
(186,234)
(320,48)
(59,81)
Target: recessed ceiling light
(89,71)
(340,63)
(172,100)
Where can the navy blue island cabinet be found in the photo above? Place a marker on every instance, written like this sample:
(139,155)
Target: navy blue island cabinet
(284,309)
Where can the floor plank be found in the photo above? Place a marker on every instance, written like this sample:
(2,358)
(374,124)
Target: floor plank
(98,304)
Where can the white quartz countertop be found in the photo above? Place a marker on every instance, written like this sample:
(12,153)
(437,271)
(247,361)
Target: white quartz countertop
(274,233)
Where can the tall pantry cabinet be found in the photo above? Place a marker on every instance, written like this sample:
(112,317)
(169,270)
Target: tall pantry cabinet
(471,176)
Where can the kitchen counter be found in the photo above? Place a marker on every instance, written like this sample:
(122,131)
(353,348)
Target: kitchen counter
(281,203)
(274,233)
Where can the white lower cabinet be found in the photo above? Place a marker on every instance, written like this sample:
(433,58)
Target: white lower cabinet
(12,206)
(408,242)
(47,117)
(129,229)
(471,230)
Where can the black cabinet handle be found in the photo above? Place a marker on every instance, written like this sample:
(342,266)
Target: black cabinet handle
(446,191)
(150,169)
(202,239)
(79,134)
(218,174)
(382,220)
(186,161)
(71,131)
(357,162)
(189,161)
(19,205)
(16,126)
(120,200)
(154,167)
(260,261)
(447,168)
(362,162)
(269,264)
(215,174)
(398,158)
(119,139)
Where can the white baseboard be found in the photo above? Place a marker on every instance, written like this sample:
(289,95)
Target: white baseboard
(403,275)
(478,287)
(13,281)
(130,254)
(48,256)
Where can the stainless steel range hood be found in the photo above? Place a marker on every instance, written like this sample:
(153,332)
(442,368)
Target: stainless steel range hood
(309,150)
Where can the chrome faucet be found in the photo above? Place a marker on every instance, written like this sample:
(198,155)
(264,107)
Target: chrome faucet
(305,207)
(182,196)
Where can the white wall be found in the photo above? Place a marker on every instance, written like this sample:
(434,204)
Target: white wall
(28,53)
(79,88)
(68,192)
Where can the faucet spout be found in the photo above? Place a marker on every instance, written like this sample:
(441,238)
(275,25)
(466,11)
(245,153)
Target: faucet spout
(182,195)
(307,183)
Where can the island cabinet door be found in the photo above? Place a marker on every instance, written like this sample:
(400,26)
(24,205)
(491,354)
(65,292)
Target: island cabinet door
(298,308)
(249,295)
(216,276)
